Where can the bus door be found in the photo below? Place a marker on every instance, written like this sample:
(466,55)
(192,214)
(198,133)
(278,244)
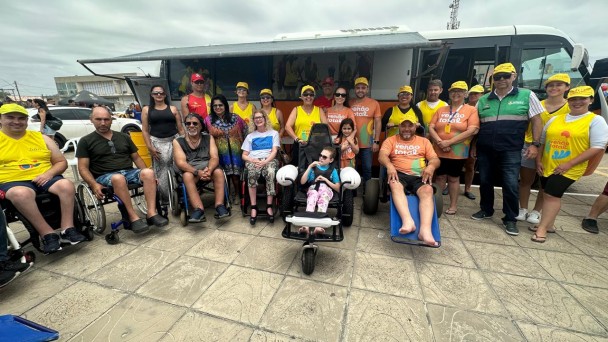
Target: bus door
(431,67)
(140,86)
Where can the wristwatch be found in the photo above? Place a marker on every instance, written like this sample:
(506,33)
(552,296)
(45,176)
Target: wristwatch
(377,142)
(535,144)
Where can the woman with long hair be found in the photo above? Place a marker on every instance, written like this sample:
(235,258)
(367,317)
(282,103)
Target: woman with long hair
(339,111)
(44,113)
(161,123)
(229,131)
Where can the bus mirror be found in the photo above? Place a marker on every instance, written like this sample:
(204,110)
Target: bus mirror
(578,53)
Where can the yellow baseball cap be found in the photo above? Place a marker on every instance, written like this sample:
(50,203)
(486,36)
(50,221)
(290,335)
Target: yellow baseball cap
(558,78)
(307,87)
(462,85)
(409,116)
(405,89)
(583,91)
(11,108)
(476,89)
(242,85)
(361,80)
(266,91)
(504,68)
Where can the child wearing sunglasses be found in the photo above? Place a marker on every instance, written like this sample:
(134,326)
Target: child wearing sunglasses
(322,179)
(348,143)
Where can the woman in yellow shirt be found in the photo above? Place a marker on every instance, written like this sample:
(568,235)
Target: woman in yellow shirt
(275,115)
(242,107)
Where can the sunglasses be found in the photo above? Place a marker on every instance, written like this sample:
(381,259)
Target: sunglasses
(340,95)
(258,118)
(322,156)
(155,93)
(265,97)
(199,82)
(191,123)
(112,147)
(499,77)
(218,106)
(308,95)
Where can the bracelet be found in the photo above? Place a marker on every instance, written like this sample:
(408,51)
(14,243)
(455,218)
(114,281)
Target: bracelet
(297,140)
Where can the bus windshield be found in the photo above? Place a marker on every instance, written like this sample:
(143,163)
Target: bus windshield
(538,64)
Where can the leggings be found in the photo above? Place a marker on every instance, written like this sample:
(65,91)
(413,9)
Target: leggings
(319,197)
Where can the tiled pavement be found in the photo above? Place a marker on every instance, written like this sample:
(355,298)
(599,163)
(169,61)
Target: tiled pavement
(225,281)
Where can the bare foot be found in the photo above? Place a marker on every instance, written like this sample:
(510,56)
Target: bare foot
(304,230)
(319,231)
(408,227)
(427,238)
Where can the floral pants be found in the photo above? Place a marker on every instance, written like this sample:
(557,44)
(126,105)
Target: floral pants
(318,198)
(268,171)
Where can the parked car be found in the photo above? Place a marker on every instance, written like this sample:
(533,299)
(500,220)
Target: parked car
(76,123)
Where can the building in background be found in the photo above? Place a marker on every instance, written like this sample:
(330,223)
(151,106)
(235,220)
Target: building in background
(114,90)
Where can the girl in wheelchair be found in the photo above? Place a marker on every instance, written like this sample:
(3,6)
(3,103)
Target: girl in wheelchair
(323,180)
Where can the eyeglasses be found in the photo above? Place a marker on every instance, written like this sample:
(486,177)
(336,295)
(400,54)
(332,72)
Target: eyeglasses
(499,77)
(112,147)
(188,123)
(218,106)
(404,94)
(265,97)
(340,95)
(156,93)
(258,118)
(308,95)
(322,156)
(199,82)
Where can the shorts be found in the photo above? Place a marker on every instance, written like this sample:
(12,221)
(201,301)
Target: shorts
(555,185)
(525,162)
(450,167)
(410,183)
(48,131)
(605,192)
(29,184)
(131,175)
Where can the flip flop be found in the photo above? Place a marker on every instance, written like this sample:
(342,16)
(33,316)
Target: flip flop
(451,211)
(534,228)
(539,239)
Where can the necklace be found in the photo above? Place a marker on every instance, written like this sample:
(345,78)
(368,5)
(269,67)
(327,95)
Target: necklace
(193,143)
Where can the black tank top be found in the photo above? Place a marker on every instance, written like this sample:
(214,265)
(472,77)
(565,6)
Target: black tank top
(199,154)
(162,123)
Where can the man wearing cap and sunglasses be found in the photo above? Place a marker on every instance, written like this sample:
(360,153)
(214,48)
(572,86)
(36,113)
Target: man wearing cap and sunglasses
(504,115)
(198,101)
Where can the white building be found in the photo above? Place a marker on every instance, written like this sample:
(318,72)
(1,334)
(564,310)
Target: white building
(115,90)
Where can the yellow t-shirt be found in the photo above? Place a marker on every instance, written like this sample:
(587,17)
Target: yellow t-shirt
(428,112)
(397,117)
(244,114)
(544,118)
(272,117)
(23,159)
(563,142)
(304,122)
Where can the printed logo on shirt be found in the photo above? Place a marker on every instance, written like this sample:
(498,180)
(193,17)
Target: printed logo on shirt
(262,143)
(360,110)
(445,118)
(515,102)
(408,150)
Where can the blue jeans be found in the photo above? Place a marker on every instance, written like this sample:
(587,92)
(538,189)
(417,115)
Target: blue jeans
(508,164)
(364,159)
(3,237)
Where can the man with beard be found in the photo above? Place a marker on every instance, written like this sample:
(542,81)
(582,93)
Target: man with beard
(410,162)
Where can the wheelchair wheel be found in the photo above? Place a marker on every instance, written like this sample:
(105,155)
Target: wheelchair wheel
(30,256)
(286,205)
(370,200)
(308,260)
(183,219)
(93,210)
(174,195)
(348,208)
(140,201)
(112,238)
(438,200)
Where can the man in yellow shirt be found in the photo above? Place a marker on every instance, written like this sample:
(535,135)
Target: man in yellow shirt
(432,103)
(32,164)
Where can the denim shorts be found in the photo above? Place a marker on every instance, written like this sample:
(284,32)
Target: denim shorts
(131,175)
(29,184)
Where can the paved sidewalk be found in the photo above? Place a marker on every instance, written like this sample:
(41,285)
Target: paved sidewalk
(225,281)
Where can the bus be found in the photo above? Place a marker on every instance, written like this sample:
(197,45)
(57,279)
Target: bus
(389,57)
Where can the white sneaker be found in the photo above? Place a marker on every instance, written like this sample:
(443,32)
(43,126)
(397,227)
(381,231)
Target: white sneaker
(533,217)
(522,214)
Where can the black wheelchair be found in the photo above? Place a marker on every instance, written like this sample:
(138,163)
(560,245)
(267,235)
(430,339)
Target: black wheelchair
(50,208)
(294,196)
(261,197)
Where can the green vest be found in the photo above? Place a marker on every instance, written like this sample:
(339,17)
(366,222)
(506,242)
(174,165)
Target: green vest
(503,123)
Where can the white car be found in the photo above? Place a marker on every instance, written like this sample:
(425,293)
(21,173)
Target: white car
(76,123)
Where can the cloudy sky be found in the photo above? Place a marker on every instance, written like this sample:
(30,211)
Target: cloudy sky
(42,39)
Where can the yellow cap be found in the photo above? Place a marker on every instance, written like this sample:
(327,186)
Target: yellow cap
(307,87)
(409,116)
(504,67)
(242,85)
(266,91)
(558,78)
(583,91)
(361,80)
(476,89)
(405,89)
(462,85)
(10,108)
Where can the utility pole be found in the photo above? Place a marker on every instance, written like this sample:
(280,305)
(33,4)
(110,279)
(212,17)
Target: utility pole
(18,93)
(454,23)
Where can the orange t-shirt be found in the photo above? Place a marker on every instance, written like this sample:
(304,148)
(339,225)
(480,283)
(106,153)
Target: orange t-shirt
(410,156)
(335,117)
(365,112)
(449,125)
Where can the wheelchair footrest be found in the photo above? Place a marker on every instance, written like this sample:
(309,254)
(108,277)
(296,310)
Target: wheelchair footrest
(312,220)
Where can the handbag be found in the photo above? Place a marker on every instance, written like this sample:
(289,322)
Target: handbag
(53,122)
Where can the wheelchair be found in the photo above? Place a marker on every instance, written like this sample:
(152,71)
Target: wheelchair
(261,197)
(50,208)
(178,198)
(294,196)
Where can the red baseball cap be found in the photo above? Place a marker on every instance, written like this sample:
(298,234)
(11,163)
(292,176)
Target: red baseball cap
(196,77)
(328,80)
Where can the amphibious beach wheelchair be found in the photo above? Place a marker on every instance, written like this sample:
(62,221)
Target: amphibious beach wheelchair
(294,196)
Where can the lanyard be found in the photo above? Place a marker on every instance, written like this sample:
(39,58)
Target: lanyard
(452,114)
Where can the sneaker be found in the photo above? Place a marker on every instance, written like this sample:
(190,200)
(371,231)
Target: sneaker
(480,215)
(139,226)
(533,217)
(523,213)
(590,225)
(511,228)
(221,212)
(72,236)
(50,243)
(14,266)
(6,277)
(469,195)
(198,215)
(157,221)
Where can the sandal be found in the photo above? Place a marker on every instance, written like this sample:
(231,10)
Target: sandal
(252,218)
(539,239)
(451,211)
(534,228)
(270,213)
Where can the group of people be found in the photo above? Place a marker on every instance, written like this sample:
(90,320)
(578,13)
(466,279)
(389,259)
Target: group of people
(507,131)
